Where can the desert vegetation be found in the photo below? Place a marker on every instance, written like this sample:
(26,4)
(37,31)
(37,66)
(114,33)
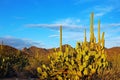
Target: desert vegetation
(89,60)
(12,61)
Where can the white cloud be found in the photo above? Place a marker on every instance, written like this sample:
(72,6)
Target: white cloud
(68,24)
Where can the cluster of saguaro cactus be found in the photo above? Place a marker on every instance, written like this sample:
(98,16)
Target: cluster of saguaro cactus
(87,60)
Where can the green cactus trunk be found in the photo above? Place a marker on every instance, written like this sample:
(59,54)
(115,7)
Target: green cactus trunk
(61,38)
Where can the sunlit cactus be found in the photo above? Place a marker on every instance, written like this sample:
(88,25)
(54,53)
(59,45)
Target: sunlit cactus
(103,40)
(85,39)
(92,27)
(99,31)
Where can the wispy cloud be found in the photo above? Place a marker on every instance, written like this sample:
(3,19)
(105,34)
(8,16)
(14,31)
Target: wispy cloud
(110,27)
(70,36)
(19,43)
(112,42)
(52,36)
(99,14)
(101,11)
(68,21)
(114,24)
(68,24)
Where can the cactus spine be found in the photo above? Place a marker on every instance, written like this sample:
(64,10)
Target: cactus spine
(61,38)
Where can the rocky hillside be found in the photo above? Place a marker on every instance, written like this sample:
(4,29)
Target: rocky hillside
(6,50)
(114,50)
(32,50)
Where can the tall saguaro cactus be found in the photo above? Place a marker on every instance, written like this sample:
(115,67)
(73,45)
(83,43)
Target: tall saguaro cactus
(99,31)
(92,28)
(85,36)
(103,40)
(60,37)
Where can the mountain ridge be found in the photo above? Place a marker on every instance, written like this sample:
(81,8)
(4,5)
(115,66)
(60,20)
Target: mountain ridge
(33,49)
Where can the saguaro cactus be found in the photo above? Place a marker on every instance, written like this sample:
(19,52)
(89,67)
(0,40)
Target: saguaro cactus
(85,36)
(92,28)
(61,38)
(99,31)
(103,40)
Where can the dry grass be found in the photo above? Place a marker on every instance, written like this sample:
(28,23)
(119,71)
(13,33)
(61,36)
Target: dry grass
(114,72)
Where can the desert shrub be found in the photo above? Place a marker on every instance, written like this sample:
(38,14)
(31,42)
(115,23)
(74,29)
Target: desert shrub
(11,63)
(34,62)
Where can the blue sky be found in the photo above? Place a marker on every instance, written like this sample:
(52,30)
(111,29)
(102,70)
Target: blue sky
(24,23)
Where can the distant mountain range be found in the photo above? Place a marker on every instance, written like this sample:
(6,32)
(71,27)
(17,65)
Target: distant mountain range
(32,50)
